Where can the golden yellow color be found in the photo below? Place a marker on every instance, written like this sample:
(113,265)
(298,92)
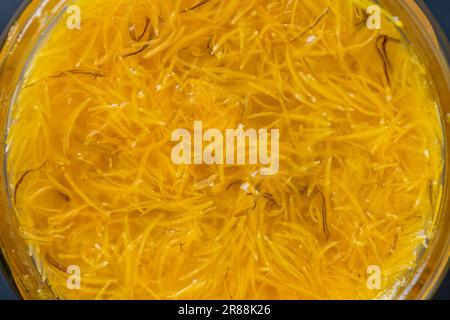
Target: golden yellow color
(360,151)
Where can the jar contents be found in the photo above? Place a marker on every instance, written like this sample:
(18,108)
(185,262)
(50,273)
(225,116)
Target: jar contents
(211,149)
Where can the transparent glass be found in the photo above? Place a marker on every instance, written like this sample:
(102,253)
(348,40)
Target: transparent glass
(36,16)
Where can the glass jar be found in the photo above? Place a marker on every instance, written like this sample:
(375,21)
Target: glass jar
(36,17)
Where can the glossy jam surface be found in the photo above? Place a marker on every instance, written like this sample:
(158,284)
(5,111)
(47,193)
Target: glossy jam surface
(94,185)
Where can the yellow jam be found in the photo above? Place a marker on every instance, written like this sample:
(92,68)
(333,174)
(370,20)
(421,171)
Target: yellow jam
(95,188)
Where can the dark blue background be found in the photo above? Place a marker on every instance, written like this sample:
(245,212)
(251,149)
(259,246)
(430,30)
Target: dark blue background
(440,8)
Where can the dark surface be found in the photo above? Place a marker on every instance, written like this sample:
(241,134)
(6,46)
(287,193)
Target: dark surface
(440,8)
